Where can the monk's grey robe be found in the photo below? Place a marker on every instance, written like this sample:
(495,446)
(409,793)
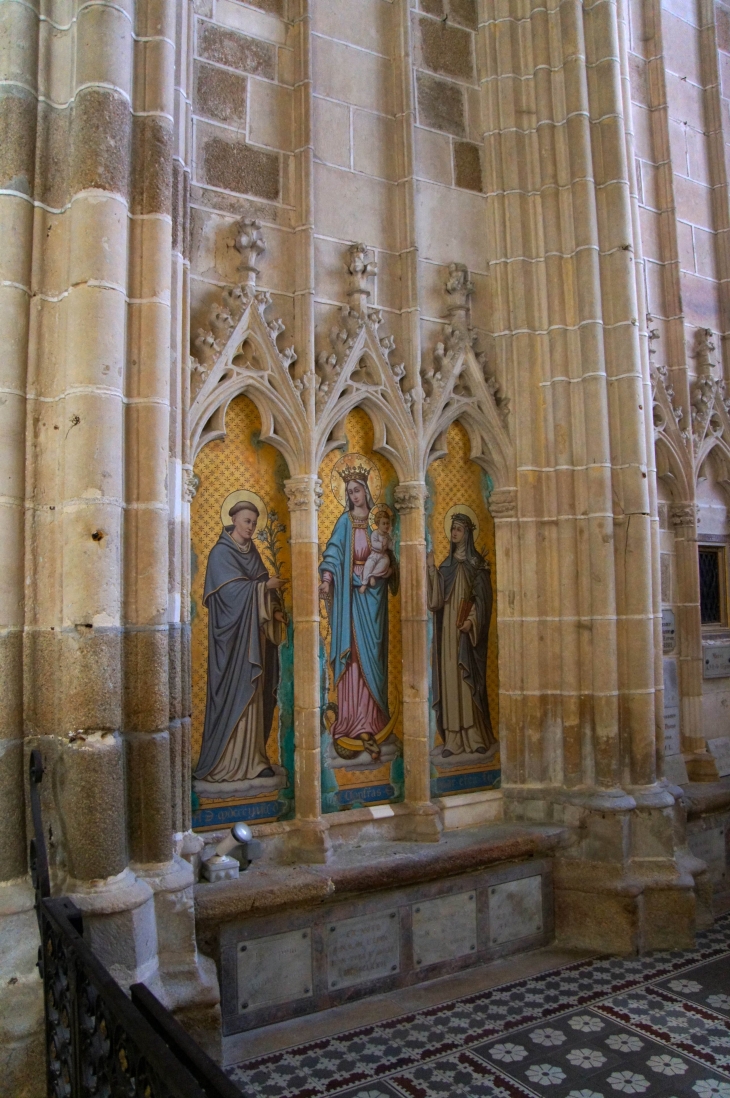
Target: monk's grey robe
(243,664)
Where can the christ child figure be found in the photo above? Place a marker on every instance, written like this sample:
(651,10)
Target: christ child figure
(378,565)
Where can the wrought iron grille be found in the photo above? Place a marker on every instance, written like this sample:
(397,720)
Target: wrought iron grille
(99,1041)
(710,586)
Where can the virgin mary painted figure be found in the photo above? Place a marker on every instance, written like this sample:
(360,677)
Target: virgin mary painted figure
(245,625)
(460,595)
(358,620)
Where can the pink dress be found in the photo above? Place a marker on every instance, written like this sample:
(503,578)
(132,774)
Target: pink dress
(358,714)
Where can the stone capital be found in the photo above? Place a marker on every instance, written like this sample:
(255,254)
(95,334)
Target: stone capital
(503,503)
(683,514)
(410,497)
(191,483)
(303,493)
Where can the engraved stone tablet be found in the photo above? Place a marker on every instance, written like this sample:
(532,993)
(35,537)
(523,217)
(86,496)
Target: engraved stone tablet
(716,660)
(669,632)
(444,928)
(720,750)
(672,744)
(515,910)
(275,969)
(365,948)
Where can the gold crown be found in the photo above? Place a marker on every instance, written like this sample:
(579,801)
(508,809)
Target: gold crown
(354,472)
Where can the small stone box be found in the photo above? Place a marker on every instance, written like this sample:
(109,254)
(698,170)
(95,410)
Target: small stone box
(309,959)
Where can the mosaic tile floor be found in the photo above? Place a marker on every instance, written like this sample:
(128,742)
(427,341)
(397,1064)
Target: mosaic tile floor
(657,1026)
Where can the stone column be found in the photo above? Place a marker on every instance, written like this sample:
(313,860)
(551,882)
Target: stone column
(309,842)
(423,821)
(146,669)
(503,509)
(75,479)
(700,764)
(632,533)
(21,1004)
(178,486)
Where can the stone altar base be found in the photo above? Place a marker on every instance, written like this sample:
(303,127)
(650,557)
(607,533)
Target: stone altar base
(289,941)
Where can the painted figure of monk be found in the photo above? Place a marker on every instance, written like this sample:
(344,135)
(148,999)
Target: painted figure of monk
(460,596)
(246,624)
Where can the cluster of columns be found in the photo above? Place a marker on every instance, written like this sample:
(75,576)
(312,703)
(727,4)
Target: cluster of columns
(94,658)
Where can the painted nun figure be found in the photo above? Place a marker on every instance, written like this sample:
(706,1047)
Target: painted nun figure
(245,626)
(460,595)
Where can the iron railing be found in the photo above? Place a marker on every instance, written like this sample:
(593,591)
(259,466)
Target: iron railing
(99,1041)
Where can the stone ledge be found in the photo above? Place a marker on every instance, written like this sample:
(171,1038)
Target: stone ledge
(373,866)
(703,797)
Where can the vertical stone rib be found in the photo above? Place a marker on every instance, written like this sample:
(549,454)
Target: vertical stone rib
(632,535)
(18,107)
(147,430)
(647,399)
(712,96)
(180,477)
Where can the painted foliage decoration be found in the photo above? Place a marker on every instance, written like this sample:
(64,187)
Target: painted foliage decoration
(462,599)
(242,738)
(360,625)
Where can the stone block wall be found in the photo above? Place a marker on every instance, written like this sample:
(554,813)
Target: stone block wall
(242,142)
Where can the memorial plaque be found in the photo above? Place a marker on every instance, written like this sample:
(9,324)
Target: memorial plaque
(720,750)
(360,949)
(665,577)
(716,660)
(444,928)
(669,631)
(275,969)
(515,910)
(672,744)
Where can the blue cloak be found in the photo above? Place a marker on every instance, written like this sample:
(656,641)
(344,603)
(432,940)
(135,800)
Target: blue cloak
(359,623)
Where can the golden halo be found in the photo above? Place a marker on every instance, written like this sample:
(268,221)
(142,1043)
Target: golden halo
(236,497)
(463,509)
(346,461)
(376,510)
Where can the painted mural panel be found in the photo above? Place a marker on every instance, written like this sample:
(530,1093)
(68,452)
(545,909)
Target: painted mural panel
(242,727)
(461,596)
(360,649)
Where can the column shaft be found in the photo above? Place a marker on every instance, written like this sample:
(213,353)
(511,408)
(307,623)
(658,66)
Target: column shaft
(303,494)
(147,426)
(410,502)
(18,107)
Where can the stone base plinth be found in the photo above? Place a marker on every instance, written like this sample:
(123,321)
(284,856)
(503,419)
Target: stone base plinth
(426,909)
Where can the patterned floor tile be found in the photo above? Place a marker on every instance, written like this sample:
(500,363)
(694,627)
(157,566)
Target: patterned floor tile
(595,1029)
(707,985)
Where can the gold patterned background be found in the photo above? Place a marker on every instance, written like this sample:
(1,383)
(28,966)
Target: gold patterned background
(455,479)
(238,461)
(359,434)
